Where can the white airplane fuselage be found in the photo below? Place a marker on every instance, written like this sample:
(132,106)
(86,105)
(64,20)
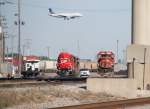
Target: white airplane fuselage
(66,16)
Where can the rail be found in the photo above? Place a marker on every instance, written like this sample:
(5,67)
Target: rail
(122,104)
(19,82)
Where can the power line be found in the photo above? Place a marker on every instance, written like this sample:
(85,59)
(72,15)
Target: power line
(82,10)
(76,9)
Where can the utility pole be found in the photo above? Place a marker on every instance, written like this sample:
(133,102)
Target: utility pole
(48,52)
(117,50)
(23,49)
(2,48)
(19,39)
(124,56)
(7,53)
(28,46)
(19,23)
(12,48)
(78,48)
(1,43)
(2,35)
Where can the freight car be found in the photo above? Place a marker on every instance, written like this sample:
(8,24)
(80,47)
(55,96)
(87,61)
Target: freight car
(67,64)
(105,61)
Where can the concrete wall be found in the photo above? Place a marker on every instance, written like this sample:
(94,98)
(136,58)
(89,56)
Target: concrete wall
(138,58)
(140,53)
(141,73)
(117,87)
(127,88)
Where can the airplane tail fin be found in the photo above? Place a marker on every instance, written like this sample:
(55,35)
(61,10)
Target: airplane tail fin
(51,11)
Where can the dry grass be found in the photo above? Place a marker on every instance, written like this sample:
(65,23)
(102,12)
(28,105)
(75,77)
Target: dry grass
(9,98)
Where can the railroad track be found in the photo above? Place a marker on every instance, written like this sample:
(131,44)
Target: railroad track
(19,82)
(122,104)
(45,79)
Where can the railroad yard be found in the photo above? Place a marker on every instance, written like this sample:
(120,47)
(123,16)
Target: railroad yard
(88,54)
(32,94)
(50,92)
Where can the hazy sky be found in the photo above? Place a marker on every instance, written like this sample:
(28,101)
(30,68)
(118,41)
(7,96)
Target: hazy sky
(103,23)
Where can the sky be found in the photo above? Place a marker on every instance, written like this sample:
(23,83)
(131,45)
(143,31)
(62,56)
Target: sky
(103,23)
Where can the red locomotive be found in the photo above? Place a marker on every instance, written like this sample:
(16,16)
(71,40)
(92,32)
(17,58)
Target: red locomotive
(106,61)
(67,64)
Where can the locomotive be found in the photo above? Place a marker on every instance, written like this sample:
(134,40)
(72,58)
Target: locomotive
(30,66)
(67,64)
(105,61)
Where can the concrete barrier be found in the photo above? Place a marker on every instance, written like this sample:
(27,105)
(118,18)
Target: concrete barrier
(118,87)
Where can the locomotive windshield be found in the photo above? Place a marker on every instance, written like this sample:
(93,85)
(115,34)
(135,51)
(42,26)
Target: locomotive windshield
(63,60)
(105,55)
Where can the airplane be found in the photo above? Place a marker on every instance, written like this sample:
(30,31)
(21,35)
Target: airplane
(66,16)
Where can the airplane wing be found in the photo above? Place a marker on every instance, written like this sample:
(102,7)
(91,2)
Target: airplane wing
(73,17)
(60,16)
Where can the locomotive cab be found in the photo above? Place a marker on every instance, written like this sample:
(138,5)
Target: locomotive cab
(106,61)
(67,64)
